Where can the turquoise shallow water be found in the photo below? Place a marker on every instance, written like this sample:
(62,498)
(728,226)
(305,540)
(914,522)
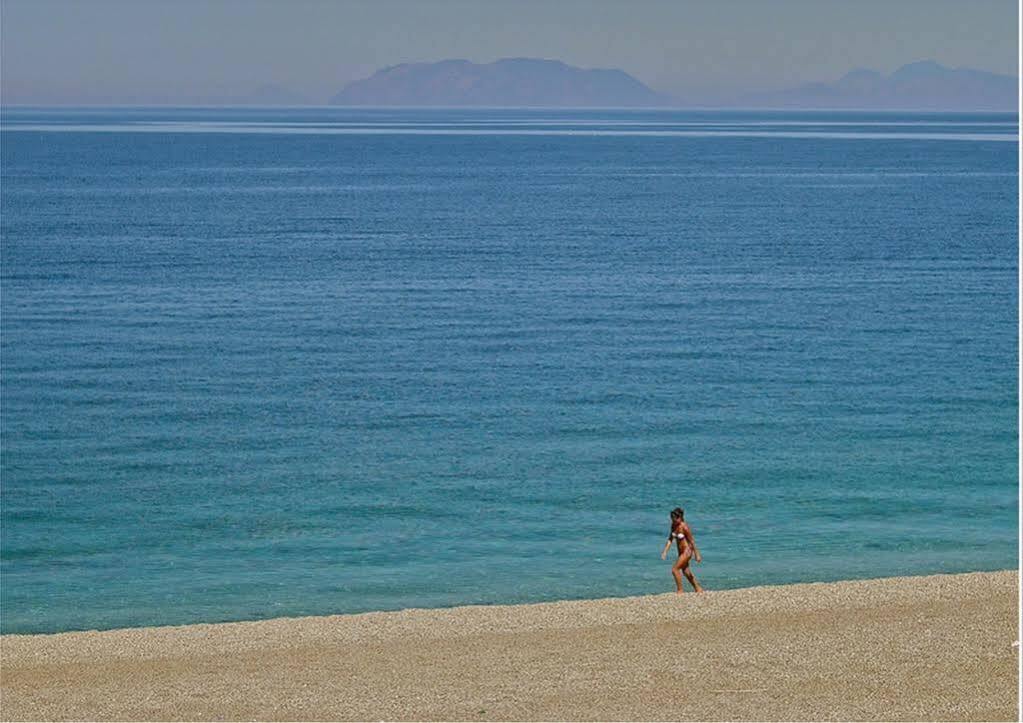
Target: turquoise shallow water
(286,362)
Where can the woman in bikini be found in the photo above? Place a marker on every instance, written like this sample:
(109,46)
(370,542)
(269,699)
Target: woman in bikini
(682,536)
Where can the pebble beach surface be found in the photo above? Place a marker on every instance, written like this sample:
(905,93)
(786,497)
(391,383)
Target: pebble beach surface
(941,647)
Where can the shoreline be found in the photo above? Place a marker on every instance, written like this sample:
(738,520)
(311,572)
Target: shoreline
(482,606)
(931,647)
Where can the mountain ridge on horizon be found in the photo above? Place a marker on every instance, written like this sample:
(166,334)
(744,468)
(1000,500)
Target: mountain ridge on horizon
(524,82)
(920,85)
(507,81)
(923,85)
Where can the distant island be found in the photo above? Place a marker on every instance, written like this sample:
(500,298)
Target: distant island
(924,85)
(507,82)
(531,82)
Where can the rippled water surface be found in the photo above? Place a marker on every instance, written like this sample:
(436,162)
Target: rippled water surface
(284,362)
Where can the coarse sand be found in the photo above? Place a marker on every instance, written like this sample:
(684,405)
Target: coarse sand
(942,647)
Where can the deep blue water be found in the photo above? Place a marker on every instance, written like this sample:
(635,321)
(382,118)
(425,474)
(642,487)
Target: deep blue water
(259,363)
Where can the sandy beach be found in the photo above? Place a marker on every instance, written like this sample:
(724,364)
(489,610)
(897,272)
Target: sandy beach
(919,648)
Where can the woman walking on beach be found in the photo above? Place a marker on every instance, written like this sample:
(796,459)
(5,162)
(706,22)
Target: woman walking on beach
(683,537)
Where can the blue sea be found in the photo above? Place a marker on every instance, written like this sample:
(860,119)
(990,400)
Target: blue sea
(279,362)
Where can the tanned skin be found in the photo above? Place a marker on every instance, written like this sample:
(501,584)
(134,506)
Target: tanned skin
(683,536)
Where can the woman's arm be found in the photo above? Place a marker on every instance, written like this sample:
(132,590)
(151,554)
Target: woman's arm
(689,537)
(667,544)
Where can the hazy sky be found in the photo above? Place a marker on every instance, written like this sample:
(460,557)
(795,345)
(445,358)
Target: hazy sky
(139,51)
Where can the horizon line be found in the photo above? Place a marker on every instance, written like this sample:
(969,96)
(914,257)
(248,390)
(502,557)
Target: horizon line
(652,108)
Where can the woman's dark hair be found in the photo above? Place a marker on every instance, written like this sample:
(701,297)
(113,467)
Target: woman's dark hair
(679,513)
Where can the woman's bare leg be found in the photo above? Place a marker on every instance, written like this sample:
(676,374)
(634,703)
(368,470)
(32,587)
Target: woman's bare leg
(676,572)
(678,579)
(691,578)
